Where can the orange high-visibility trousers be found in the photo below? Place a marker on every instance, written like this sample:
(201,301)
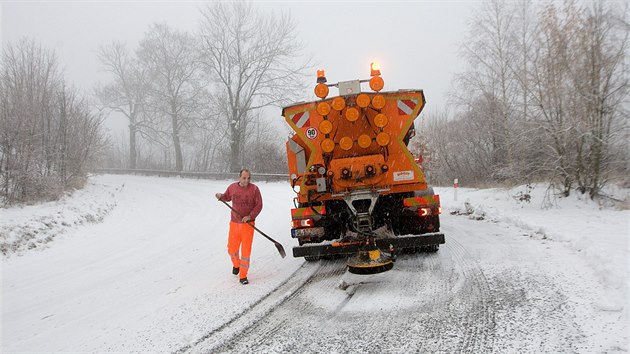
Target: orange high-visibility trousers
(240,236)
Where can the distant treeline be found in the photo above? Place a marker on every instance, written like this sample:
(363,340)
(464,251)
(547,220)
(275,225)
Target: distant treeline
(49,136)
(193,102)
(544,97)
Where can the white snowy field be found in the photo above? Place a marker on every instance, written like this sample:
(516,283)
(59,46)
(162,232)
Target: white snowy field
(134,264)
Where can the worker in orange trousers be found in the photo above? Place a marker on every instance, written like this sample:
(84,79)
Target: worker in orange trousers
(247,204)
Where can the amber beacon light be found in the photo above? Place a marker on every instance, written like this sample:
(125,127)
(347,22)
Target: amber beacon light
(321,89)
(376,82)
(321,76)
(375,69)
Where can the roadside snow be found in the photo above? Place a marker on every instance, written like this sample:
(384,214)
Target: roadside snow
(34,226)
(598,233)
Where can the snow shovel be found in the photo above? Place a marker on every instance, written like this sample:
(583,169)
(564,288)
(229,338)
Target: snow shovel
(278,245)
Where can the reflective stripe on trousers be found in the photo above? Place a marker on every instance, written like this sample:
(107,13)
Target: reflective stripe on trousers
(240,237)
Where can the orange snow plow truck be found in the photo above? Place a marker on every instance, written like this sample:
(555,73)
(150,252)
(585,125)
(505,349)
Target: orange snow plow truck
(359,190)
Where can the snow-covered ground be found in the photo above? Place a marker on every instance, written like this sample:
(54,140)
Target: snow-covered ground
(139,263)
(597,231)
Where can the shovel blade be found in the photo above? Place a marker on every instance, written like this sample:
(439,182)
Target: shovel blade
(281,250)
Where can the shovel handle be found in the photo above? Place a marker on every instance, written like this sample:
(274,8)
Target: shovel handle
(278,245)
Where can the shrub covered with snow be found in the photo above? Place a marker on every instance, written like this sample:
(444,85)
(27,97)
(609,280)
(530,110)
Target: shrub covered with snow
(35,226)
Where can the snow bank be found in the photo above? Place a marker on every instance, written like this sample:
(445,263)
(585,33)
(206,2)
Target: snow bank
(597,230)
(35,226)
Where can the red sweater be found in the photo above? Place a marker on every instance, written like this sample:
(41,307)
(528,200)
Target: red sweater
(245,200)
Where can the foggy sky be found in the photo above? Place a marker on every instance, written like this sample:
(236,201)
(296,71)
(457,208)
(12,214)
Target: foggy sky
(415,42)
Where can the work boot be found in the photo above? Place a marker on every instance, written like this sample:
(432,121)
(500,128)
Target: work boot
(244,281)
(235,270)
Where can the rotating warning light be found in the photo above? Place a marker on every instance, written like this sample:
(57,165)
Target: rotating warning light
(321,76)
(375,69)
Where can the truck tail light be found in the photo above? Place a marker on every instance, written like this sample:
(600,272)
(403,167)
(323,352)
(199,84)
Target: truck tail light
(296,224)
(429,211)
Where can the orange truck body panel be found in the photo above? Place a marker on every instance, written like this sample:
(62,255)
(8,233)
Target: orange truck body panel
(384,165)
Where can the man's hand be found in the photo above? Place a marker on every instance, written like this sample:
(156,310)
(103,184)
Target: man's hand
(246,218)
(219,195)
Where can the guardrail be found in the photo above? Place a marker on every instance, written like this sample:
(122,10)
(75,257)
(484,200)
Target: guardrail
(266,177)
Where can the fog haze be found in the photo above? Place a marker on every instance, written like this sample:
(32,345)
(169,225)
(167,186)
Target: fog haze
(415,42)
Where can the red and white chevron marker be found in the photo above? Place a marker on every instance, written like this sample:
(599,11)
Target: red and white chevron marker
(301,119)
(406,106)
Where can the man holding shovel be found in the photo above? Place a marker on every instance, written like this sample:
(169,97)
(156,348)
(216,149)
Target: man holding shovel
(246,205)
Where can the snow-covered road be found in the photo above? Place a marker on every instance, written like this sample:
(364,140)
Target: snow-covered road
(154,276)
(489,289)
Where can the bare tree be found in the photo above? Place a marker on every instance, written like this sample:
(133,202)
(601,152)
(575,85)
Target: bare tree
(580,86)
(209,137)
(30,77)
(48,136)
(267,150)
(175,90)
(254,61)
(126,94)
(79,137)
(551,93)
(489,83)
(558,76)
(600,79)
(431,145)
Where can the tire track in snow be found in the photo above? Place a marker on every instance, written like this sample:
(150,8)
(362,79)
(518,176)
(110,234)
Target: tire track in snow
(261,308)
(452,313)
(525,287)
(481,322)
(442,304)
(325,272)
(349,321)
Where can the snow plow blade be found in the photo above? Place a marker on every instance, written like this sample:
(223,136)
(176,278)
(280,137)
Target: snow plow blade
(337,248)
